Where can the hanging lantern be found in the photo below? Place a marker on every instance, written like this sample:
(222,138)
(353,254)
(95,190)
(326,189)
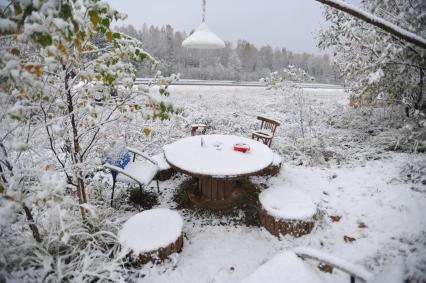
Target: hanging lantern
(202,37)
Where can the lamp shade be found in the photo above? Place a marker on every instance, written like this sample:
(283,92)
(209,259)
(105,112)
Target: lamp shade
(203,38)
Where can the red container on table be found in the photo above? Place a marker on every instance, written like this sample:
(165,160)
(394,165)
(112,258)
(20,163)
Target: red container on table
(241,147)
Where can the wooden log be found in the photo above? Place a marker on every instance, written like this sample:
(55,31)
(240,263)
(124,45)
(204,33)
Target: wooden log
(279,227)
(160,254)
(287,211)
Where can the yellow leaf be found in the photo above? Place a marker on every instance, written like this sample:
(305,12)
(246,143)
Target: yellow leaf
(146,131)
(109,36)
(38,70)
(29,68)
(77,43)
(63,49)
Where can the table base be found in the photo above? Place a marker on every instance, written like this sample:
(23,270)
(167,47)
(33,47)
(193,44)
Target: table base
(216,193)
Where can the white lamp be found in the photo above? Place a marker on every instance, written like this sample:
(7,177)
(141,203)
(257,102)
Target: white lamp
(203,38)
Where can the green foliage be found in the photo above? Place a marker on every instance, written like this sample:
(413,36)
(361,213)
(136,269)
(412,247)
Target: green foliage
(42,38)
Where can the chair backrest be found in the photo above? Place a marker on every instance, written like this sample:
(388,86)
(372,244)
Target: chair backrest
(117,155)
(268,124)
(198,129)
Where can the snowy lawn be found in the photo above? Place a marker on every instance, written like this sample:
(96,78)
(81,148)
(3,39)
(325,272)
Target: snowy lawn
(372,199)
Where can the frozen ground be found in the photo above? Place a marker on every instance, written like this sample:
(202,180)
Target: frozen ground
(345,164)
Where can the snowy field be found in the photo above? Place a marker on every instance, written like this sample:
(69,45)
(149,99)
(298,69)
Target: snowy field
(346,163)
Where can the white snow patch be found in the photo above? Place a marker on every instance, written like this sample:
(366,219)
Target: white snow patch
(284,267)
(287,203)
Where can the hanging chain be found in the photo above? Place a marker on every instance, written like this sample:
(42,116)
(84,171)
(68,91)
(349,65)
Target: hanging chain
(204,11)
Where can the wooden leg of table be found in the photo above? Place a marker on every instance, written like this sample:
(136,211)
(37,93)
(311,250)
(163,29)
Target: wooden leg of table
(216,193)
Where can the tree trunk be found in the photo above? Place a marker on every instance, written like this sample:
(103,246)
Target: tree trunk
(76,154)
(32,225)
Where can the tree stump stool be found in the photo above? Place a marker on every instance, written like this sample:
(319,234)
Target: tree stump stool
(152,235)
(287,211)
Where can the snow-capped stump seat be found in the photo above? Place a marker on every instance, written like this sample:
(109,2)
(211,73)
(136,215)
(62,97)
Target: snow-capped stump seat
(152,235)
(285,267)
(287,211)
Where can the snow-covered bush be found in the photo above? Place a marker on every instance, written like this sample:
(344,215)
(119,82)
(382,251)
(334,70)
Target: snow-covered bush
(376,66)
(60,91)
(66,84)
(287,82)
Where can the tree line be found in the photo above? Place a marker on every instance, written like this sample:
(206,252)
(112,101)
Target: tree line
(241,62)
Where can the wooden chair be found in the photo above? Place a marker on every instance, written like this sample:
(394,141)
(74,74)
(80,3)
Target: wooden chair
(266,131)
(198,129)
(127,171)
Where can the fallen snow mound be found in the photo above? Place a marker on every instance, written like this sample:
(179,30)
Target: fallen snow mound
(151,230)
(287,204)
(285,267)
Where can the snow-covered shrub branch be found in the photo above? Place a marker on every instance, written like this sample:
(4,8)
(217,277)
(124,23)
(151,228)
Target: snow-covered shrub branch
(377,66)
(379,22)
(287,82)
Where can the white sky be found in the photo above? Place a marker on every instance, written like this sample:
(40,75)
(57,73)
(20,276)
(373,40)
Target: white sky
(280,23)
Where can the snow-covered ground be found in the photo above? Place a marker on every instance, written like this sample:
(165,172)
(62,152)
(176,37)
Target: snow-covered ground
(344,164)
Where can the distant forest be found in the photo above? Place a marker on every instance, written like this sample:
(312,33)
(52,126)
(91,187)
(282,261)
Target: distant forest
(243,62)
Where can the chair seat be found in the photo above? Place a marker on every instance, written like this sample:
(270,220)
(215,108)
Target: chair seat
(161,160)
(142,171)
(263,134)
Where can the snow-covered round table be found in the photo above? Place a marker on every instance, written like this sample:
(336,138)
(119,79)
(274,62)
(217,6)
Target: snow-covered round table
(218,167)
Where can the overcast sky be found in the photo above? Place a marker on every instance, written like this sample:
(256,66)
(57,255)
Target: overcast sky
(279,23)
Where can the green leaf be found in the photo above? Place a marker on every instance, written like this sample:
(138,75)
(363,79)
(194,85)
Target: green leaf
(43,39)
(105,23)
(15,51)
(1,189)
(142,56)
(66,11)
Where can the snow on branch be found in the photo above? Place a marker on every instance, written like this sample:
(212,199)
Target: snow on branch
(376,21)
